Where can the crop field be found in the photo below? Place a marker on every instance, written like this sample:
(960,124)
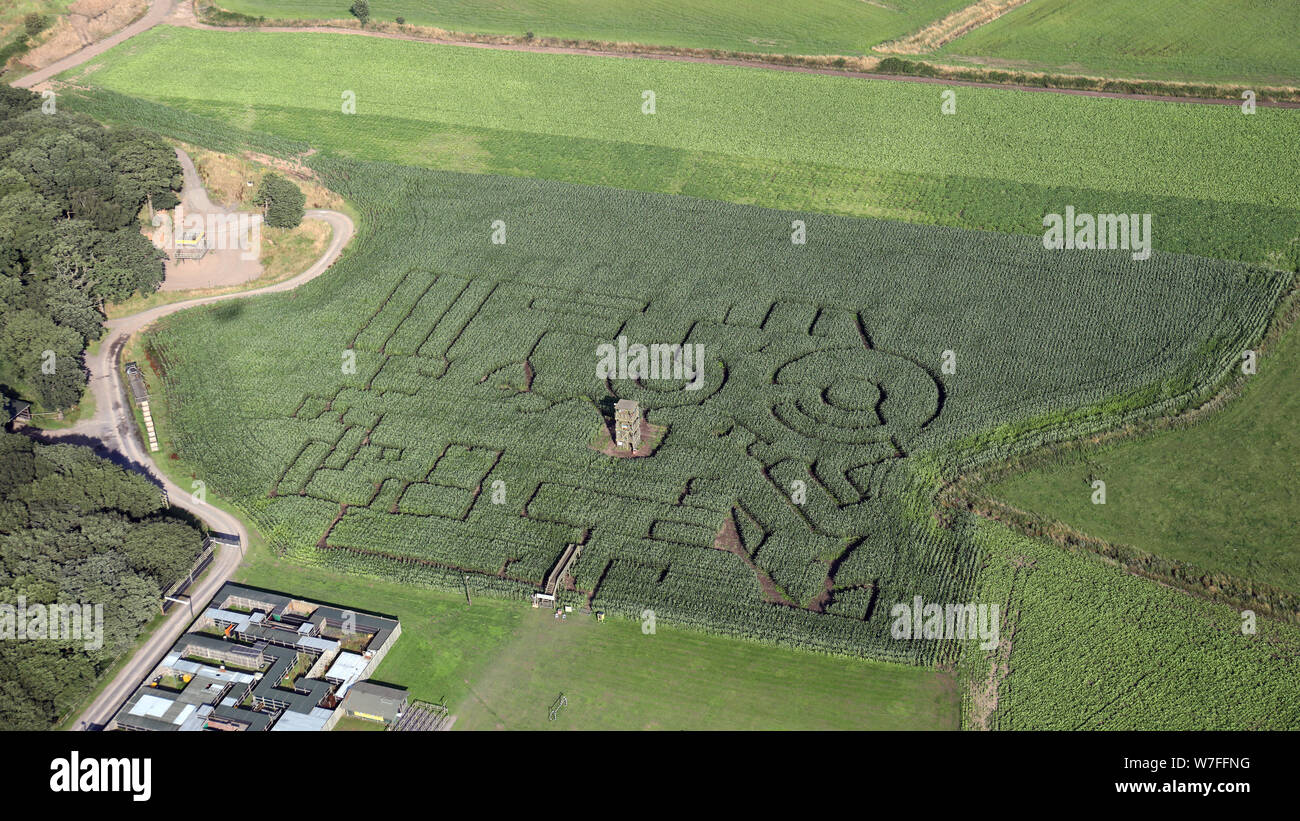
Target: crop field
(428,421)
(1210,495)
(1090,647)
(787,140)
(1203,40)
(460,445)
(816,27)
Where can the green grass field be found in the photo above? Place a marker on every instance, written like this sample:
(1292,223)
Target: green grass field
(1195,40)
(615,677)
(500,664)
(748,135)
(844,27)
(1218,495)
(1090,647)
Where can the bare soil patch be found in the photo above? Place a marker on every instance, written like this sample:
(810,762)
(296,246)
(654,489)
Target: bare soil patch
(984,691)
(951,27)
(728,539)
(87,22)
(232,180)
(651,437)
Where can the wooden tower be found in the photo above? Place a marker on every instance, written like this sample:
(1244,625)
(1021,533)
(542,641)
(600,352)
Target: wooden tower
(627,424)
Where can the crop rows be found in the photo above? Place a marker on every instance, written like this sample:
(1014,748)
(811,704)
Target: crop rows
(465,443)
(1093,647)
(779,139)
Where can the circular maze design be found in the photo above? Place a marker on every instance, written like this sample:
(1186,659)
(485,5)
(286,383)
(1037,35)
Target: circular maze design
(856,395)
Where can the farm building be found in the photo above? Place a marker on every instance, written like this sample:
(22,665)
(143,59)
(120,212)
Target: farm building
(374,702)
(627,424)
(257,660)
(347,669)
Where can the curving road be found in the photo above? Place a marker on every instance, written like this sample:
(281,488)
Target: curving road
(112,427)
(113,424)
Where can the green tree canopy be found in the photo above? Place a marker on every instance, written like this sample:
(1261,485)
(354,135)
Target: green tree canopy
(281,200)
(77,529)
(361,10)
(71,192)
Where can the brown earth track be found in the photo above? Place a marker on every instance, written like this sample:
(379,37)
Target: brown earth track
(728,539)
(960,22)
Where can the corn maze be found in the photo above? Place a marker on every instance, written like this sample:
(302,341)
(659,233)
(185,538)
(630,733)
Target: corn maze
(781,503)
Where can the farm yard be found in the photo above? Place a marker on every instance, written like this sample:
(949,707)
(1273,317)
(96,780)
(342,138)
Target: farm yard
(426,423)
(749,135)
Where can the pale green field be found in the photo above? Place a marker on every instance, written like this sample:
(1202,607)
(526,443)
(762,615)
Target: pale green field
(615,677)
(1196,40)
(845,27)
(1090,647)
(1218,183)
(1219,495)
(500,664)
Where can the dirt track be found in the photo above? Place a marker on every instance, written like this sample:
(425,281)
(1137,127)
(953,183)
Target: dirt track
(158,12)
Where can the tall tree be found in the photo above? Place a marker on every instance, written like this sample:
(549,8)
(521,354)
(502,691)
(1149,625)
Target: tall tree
(281,200)
(70,194)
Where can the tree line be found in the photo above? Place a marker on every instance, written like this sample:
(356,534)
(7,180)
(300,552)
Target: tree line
(71,199)
(77,529)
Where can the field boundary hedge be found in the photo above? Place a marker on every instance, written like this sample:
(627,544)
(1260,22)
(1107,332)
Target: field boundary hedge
(966,492)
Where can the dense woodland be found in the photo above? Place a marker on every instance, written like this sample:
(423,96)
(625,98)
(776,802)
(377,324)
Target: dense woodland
(75,528)
(71,199)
